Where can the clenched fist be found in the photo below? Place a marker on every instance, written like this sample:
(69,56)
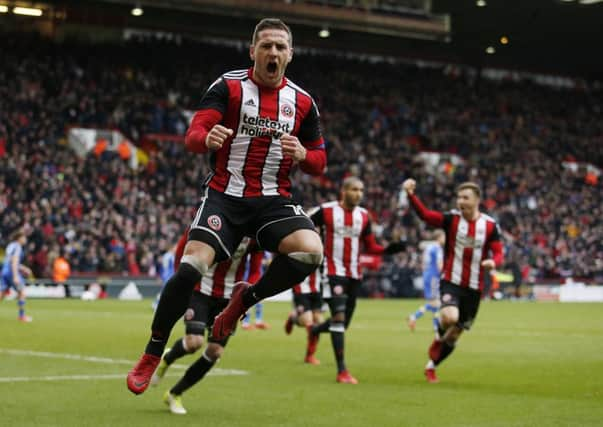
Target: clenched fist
(292,147)
(216,137)
(488,264)
(409,186)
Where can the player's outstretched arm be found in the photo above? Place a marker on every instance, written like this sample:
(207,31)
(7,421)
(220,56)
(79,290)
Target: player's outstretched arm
(433,218)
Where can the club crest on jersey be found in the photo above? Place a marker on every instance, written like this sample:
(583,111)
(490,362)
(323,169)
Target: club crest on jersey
(214,222)
(287,111)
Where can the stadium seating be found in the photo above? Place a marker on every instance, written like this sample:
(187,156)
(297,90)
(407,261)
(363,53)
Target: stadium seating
(511,137)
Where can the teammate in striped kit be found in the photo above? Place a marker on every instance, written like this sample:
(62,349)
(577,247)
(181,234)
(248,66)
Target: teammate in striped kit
(209,297)
(473,247)
(256,125)
(345,225)
(307,312)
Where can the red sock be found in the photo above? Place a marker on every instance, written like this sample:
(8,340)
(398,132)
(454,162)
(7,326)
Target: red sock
(434,350)
(312,341)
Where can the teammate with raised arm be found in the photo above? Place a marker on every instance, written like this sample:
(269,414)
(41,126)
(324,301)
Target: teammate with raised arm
(473,247)
(255,124)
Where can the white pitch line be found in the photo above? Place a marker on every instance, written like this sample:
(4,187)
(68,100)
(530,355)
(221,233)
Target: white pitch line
(214,372)
(104,360)
(61,378)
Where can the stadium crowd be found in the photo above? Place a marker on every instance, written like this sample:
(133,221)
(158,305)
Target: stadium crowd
(377,116)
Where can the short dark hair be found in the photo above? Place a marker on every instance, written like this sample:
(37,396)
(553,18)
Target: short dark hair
(470,186)
(274,23)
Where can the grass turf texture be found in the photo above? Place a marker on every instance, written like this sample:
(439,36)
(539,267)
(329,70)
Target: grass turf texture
(523,364)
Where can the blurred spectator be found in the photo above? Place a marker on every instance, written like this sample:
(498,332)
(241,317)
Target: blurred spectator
(512,138)
(61,269)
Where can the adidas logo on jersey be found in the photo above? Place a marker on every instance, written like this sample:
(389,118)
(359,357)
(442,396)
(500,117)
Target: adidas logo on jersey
(250,103)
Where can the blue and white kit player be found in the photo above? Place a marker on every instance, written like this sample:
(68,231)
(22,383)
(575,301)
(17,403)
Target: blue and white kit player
(13,270)
(433,259)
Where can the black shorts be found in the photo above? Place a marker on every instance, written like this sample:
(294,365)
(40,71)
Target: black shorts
(466,299)
(223,220)
(341,293)
(307,302)
(202,309)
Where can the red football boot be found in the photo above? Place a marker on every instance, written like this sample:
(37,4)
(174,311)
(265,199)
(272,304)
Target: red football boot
(430,374)
(345,377)
(262,325)
(139,377)
(226,322)
(311,360)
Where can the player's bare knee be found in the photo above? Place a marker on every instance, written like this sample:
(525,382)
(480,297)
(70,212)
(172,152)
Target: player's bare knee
(317,317)
(214,351)
(302,241)
(339,317)
(305,319)
(193,342)
(198,255)
(449,316)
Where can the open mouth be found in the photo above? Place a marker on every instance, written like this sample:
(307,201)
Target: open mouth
(271,67)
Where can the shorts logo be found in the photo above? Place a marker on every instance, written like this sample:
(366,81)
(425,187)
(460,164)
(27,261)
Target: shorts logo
(189,314)
(297,209)
(446,298)
(287,111)
(338,289)
(214,222)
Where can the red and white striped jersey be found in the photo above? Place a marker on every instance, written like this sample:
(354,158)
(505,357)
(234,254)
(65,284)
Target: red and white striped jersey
(342,231)
(310,285)
(467,245)
(251,163)
(221,278)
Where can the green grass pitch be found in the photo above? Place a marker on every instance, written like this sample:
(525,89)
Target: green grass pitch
(523,364)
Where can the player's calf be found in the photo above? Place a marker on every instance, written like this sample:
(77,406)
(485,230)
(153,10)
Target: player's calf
(197,371)
(173,303)
(283,273)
